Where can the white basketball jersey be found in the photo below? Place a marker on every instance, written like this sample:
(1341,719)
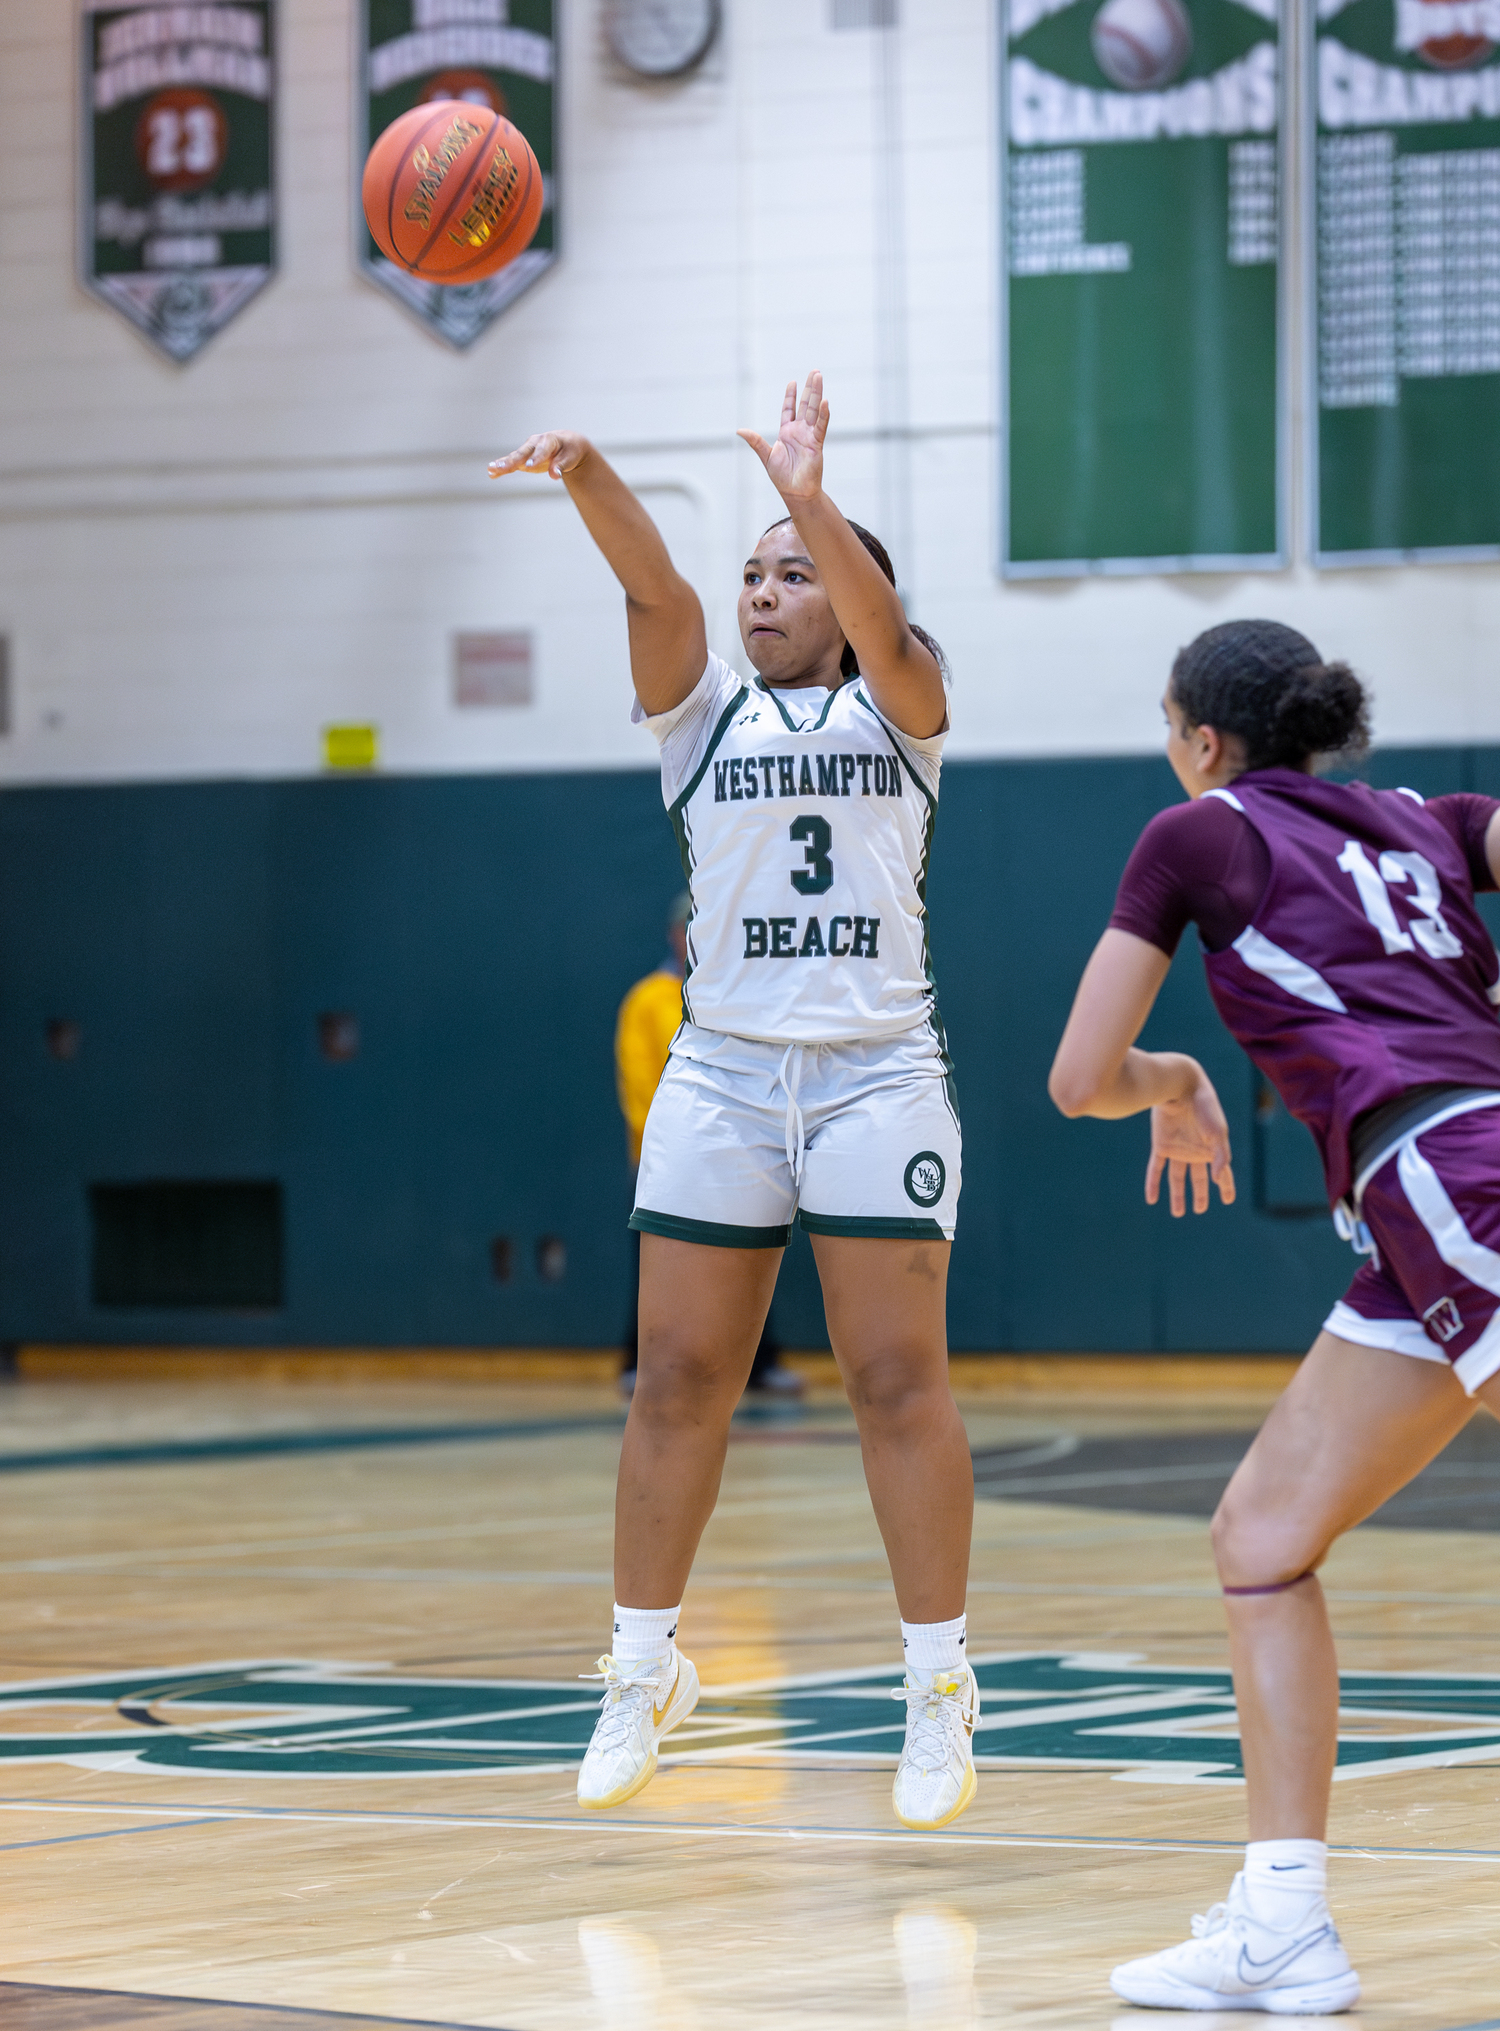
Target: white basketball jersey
(804,822)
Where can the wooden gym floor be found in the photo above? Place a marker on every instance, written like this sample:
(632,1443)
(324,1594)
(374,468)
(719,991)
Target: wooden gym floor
(288,1706)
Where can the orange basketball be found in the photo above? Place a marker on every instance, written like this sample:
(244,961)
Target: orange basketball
(452,191)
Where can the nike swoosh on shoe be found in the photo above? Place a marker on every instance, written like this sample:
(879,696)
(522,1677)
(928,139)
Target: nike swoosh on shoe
(1254,1971)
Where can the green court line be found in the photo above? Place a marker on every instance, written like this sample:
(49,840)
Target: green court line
(232,2004)
(254,1445)
(260,1445)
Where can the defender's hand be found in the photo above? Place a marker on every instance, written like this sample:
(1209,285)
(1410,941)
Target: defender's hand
(1190,1134)
(794,463)
(549,451)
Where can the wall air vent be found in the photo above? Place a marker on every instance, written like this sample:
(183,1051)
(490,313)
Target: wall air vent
(170,1245)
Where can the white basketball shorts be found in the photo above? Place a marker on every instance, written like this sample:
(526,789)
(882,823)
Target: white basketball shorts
(853,1138)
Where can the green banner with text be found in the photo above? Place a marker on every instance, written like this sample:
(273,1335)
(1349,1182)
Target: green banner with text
(1406,106)
(1143,255)
(497,53)
(180,208)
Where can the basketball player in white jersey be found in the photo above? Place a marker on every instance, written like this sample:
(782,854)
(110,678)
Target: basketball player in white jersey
(809,1080)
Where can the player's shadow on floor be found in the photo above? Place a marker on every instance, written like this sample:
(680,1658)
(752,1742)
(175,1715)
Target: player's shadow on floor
(1185,1473)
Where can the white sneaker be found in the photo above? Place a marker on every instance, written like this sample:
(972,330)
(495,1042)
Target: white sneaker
(643,1700)
(1233,1961)
(935,1778)
(777,1381)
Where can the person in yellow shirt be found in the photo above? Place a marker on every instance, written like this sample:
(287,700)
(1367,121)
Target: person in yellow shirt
(648,1020)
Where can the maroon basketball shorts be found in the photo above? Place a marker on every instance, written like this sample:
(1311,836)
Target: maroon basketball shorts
(1432,1287)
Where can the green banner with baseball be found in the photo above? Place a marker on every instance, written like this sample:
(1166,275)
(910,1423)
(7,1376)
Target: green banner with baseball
(495,53)
(1406,105)
(179,196)
(1142,211)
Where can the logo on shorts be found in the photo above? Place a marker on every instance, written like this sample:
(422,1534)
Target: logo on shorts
(925,1178)
(1443,1321)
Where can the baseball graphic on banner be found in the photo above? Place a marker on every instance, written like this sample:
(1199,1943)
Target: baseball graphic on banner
(1141,45)
(479,53)
(179,171)
(1456,40)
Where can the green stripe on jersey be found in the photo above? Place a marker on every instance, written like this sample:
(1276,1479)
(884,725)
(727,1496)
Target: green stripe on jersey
(786,718)
(898,751)
(678,815)
(709,752)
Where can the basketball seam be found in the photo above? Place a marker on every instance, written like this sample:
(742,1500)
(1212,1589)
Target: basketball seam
(420,141)
(520,206)
(464,186)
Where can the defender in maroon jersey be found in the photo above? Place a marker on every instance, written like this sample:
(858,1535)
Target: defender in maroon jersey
(1344,952)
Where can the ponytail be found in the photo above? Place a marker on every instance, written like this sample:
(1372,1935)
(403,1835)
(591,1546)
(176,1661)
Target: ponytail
(849,662)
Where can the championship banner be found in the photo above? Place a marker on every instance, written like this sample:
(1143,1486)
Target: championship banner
(1406,256)
(179,232)
(497,53)
(1143,375)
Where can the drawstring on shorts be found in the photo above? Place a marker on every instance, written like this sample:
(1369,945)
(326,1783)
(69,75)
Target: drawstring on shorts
(1349,1227)
(796,1129)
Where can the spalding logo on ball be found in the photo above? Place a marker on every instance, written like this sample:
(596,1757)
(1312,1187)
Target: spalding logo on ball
(1141,45)
(452,191)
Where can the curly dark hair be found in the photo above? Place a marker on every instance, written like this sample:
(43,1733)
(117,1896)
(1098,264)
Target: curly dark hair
(1267,685)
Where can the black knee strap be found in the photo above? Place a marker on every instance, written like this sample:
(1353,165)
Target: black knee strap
(1279,1587)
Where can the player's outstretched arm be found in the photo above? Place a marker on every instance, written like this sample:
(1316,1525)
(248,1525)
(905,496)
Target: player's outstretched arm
(668,640)
(901,673)
(1492,847)
(1098,1071)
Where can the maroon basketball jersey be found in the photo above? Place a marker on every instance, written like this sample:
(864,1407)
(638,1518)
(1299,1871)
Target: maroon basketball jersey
(1367,969)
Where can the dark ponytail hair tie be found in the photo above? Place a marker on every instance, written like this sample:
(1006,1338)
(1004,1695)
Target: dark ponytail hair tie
(1267,685)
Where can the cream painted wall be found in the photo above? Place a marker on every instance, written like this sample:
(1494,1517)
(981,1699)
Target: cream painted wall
(201,566)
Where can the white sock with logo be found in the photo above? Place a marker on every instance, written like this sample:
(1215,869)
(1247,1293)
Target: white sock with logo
(642,1633)
(934,1646)
(1286,1882)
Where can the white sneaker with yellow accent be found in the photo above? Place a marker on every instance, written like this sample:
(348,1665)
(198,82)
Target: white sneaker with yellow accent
(1234,1962)
(935,1778)
(644,1699)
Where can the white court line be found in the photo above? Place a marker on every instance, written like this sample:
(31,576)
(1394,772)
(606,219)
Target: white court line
(719,1830)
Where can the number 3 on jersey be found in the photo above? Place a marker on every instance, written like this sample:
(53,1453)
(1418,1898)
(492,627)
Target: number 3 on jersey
(815,836)
(1374,882)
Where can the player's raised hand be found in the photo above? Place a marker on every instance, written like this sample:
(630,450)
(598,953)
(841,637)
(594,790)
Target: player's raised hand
(1190,1134)
(549,451)
(794,463)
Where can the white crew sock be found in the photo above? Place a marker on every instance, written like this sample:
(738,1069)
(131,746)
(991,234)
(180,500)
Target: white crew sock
(1285,1881)
(643,1632)
(934,1646)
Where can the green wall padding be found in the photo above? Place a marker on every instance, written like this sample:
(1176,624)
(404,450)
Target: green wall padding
(481,931)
